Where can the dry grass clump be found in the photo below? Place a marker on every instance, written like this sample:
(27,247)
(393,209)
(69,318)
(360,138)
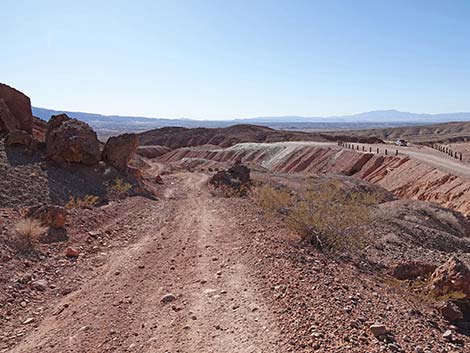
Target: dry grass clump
(121,186)
(119,189)
(228,191)
(329,216)
(88,201)
(26,233)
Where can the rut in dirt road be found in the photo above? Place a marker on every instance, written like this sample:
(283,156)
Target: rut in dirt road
(192,253)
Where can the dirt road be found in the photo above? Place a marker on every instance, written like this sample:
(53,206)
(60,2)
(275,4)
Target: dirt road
(191,252)
(424,155)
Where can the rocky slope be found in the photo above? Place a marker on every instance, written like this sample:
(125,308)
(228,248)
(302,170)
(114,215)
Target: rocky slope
(404,177)
(177,137)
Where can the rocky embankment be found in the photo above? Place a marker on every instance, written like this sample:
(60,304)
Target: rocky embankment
(403,176)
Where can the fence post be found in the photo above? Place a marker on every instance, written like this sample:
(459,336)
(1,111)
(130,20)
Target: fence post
(386,152)
(377,150)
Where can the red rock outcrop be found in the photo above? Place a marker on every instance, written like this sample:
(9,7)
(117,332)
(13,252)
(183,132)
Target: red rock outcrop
(71,140)
(19,105)
(119,150)
(451,277)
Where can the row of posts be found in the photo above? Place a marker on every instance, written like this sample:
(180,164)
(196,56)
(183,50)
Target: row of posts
(447,150)
(364,149)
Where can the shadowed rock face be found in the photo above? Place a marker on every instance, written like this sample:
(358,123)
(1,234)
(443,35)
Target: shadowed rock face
(8,121)
(19,106)
(71,140)
(118,150)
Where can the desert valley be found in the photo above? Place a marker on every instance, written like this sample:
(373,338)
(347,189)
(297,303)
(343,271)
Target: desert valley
(232,239)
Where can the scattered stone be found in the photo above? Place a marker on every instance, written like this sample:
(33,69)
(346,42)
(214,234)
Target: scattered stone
(378,330)
(94,233)
(40,285)
(210,292)
(167,298)
(447,335)
(451,312)
(159,180)
(71,252)
(28,321)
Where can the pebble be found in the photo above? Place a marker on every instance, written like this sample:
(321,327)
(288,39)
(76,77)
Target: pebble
(28,321)
(167,298)
(71,252)
(378,329)
(447,335)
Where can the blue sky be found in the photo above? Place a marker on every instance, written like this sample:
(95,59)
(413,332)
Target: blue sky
(234,59)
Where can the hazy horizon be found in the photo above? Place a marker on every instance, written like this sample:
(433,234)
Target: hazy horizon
(205,60)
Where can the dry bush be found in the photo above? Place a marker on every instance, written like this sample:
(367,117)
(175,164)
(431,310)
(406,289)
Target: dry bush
(88,201)
(227,191)
(328,216)
(276,200)
(26,233)
(119,189)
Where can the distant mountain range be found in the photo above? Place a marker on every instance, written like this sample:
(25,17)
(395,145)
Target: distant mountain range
(112,124)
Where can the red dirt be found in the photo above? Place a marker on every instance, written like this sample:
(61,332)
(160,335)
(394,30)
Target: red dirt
(242,283)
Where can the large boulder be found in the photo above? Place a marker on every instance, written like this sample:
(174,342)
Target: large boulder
(71,140)
(236,178)
(8,121)
(118,150)
(452,277)
(19,106)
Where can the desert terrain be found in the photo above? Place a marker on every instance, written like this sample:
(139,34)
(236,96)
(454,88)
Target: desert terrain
(239,239)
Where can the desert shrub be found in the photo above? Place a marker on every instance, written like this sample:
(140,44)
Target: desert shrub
(26,232)
(120,186)
(228,192)
(88,201)
(277,200)
(328,216)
